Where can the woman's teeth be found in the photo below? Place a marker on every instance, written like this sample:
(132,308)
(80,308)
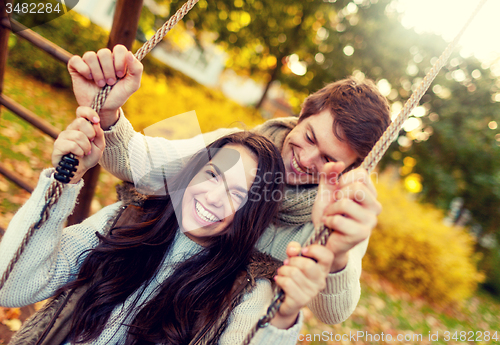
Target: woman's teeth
(204,214)
(297,167)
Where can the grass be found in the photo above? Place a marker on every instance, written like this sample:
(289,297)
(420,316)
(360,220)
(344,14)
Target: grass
(384,309)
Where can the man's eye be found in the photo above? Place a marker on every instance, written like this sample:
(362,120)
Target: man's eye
(309,138)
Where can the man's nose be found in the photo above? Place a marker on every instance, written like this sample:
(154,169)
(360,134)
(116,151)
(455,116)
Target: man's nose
(309,159)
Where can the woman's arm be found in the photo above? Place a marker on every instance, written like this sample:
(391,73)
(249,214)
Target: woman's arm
(130,156)
(53,255)
(248,312)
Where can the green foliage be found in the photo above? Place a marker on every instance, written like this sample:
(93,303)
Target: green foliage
(456,152)
(72,32)
(491,264)
(260,36)
(412,248)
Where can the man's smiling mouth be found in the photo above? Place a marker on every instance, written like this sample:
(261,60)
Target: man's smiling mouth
(296,166)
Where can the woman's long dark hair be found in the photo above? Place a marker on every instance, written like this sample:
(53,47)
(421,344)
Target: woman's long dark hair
(199,289)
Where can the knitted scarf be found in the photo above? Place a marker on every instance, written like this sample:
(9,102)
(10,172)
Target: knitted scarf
(298,201)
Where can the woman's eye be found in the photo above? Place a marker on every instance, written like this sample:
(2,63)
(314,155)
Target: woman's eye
(211,174)
(239,196)
(309,138)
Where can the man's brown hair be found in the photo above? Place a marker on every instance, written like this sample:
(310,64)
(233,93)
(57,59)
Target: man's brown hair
(360,113)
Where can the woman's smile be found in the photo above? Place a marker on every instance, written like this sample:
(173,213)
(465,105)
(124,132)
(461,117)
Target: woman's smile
(205,216)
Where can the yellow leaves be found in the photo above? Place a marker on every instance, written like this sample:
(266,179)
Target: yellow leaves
(413,183)
(202,4)
(271,61)
(180,37)
(410,161)
(245,18)
(10,318)
(14,324)
(239,19)
(160,98)
(82,20)
(233,26)
(412,248)
(222,15)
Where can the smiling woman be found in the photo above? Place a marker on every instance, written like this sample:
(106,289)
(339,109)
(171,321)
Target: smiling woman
(179,268)
(217,191)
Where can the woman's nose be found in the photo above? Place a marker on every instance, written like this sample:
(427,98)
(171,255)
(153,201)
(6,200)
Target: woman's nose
(216,196)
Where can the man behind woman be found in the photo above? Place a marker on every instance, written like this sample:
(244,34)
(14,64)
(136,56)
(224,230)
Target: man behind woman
(337,127)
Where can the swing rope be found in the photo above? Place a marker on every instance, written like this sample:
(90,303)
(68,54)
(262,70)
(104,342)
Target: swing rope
(321,233)
(55,189)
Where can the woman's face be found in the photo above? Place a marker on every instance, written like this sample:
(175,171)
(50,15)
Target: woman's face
(216,192)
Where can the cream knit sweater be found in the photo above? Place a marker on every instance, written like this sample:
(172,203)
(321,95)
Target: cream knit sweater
(146,161)
(54,256)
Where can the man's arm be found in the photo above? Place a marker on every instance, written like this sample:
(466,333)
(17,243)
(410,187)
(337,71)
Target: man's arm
(347,205)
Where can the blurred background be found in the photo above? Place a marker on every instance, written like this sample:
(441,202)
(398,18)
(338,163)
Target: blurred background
(433,263)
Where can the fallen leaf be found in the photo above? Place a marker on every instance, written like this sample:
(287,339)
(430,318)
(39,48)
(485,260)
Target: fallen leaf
(14,324)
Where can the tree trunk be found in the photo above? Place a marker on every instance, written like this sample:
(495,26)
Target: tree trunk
(272,78)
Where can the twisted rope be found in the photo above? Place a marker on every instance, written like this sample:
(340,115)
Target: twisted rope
(55,189)
(321,233)
(392,131)
(51,195)
(279,297)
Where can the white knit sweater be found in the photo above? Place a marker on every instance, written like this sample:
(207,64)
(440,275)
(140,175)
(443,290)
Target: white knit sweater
(54,255)
(145,161)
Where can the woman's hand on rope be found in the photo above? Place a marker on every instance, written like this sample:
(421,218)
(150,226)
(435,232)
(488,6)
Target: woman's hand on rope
(302,278)
(84,138)
(94,70)
(348,205)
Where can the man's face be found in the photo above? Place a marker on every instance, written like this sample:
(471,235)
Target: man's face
(309,146)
